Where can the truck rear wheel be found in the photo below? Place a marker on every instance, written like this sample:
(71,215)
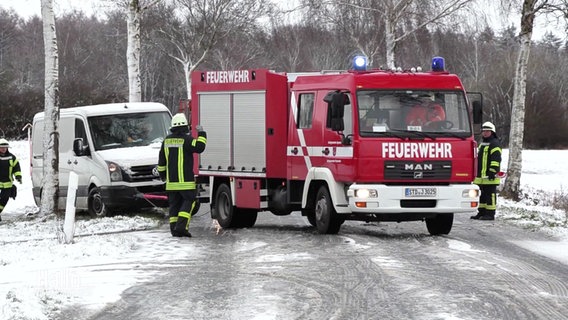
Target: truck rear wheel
(228,215)
(327,219)
(441,224)
(97,207)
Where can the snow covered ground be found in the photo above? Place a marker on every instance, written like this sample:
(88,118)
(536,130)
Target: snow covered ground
(39,275)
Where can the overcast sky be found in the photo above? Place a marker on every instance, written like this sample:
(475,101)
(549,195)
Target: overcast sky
(27,8)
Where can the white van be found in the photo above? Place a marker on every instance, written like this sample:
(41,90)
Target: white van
(113,148)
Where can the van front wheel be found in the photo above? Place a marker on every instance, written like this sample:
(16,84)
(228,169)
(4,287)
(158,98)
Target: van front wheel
(97,207)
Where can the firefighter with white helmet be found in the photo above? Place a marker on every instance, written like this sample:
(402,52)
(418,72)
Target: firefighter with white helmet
(9,170)
(175,165)
(488,166)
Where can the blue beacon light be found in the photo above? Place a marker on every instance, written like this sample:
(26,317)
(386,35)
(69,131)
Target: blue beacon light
(360,63)
(438,64)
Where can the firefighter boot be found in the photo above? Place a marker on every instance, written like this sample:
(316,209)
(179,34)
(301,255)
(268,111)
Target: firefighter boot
(489,215)
(182,224)
(173,221)
(480,213)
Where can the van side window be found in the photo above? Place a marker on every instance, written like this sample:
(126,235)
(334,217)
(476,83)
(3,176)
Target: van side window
(305,110)
(80,131)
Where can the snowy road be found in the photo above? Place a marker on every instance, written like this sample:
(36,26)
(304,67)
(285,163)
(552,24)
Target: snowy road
(283,269)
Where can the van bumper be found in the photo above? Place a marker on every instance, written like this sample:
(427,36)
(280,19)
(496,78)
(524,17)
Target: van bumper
(124,197)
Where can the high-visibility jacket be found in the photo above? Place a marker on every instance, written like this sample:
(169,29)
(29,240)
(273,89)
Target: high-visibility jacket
(488,160)
(9,168)
(175,161)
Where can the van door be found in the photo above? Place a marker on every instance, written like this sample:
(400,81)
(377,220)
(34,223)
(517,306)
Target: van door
(66,156)
(82,165)
(37,159)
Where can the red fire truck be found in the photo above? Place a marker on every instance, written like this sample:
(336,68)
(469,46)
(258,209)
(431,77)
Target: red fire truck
(336,146)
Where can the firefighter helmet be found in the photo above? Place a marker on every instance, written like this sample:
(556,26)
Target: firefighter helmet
(179,120)
(4,143)
(488,126)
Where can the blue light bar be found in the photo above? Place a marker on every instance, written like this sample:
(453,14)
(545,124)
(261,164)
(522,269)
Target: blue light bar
(360,63)
(438,64)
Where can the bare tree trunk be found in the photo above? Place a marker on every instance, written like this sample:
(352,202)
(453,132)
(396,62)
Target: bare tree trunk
(50,183)
(133,51)
(390,42)
(511,189)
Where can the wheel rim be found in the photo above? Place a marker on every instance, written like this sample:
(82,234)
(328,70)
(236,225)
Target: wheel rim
(97,204)
(321,209)
(223,205)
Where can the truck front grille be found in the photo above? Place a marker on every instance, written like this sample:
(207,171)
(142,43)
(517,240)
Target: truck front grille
(418,170)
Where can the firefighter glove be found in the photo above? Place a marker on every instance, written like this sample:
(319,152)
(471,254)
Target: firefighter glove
(199,128)
(491,175)
(19,178)
(163,175)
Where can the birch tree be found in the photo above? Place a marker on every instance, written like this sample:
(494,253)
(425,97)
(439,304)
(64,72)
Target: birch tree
(529,10)
(205,23)
(50,183)
(134,15)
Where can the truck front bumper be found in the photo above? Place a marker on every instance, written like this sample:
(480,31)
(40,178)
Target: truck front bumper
(427,199)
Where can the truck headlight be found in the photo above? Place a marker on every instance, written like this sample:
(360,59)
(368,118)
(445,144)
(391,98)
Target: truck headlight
(470,193)
(366,193)
(114,171)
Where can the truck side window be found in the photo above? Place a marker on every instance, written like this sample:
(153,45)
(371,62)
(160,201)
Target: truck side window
(305,110)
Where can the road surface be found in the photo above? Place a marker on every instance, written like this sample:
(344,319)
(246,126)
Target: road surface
(282,269)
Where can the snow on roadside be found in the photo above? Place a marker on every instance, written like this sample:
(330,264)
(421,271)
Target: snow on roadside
(39,276)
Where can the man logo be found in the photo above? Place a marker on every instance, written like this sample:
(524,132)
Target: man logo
(418,166)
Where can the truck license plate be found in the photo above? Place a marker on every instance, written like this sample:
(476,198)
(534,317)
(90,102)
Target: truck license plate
(420,192)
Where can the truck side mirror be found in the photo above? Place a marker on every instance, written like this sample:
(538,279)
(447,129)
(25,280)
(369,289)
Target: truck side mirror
(477,112)
(476,99)
(79,148)
(336,107)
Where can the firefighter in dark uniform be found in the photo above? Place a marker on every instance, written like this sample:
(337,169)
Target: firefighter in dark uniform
(488,166)
(175,165)
(9,170)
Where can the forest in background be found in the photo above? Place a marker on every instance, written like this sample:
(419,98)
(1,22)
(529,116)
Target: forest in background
(92,61)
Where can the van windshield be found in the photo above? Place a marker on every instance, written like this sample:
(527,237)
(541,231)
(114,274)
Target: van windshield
(129,130)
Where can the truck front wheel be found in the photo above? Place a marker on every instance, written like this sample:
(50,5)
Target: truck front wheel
(327,219)
(441,224)
(97,207)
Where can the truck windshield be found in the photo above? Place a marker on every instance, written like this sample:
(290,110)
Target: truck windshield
(128,130)
(413,112)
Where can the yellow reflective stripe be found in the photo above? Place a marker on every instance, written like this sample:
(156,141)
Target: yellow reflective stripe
(180,165)
(183,214)
(6,185)
(193,143)
(493,170)
(162,168)
(173,219)
(176,186)
(202,139)
(496,149)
